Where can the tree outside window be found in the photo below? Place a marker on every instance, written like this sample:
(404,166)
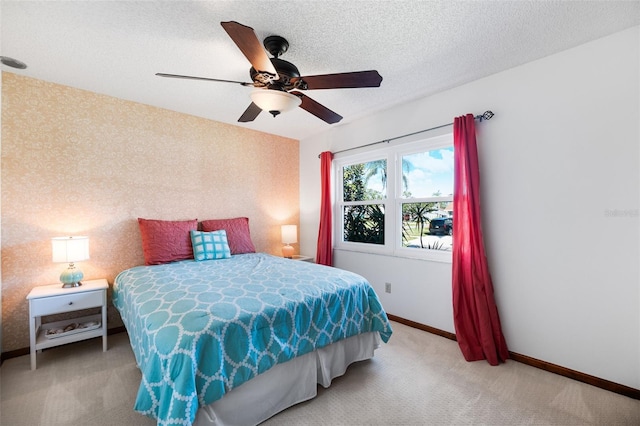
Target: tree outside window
(363,217)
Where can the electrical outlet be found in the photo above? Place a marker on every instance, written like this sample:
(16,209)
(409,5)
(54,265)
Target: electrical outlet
(387,287)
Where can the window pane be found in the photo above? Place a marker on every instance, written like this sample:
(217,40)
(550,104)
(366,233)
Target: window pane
(427,174)
(364,224)
(427,226)
(365,181)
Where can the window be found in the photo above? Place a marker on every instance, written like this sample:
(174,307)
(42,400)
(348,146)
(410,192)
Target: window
(363,195)
(397,200)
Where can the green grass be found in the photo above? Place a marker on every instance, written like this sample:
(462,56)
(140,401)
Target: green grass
(412,230)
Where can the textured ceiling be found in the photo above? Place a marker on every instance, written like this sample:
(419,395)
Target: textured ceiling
(419,47)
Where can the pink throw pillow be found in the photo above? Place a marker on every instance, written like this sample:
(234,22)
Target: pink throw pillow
(165,241)
(237,233)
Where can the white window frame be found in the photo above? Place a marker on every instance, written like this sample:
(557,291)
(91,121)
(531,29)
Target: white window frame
(393,201)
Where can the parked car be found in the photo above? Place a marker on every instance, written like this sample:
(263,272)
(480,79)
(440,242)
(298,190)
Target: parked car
(441,225)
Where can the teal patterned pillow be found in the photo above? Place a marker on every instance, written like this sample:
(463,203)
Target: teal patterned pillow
(210,245)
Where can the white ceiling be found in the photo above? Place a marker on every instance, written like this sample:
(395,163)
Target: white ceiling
(419,47)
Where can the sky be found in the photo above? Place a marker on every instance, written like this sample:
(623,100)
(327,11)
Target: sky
(431,171)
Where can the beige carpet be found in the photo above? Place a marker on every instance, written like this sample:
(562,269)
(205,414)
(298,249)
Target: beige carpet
(416,379)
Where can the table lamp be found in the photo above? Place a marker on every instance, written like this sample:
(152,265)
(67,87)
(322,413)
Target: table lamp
(70,250)
(289,236)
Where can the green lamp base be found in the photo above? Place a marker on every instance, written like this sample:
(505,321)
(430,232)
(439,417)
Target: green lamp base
(71,277)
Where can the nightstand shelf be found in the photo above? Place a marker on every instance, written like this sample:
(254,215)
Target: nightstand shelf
(44,342)
(53,299)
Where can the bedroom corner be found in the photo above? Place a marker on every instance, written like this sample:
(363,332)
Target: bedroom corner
(76,162)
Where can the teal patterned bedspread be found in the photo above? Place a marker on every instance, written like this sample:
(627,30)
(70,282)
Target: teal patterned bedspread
(200,329)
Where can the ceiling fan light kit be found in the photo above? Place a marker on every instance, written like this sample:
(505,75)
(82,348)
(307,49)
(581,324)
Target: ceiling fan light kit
(277,81)
(275,101)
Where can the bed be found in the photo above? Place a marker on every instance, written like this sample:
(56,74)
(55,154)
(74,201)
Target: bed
(238,339)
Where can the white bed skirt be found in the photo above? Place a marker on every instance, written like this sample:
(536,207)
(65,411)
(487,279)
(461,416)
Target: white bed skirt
(287,384)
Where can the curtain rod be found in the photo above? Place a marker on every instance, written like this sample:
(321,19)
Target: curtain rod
(484,116)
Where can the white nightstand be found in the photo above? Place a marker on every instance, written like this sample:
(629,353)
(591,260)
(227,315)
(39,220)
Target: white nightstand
(53,299)
(302,258)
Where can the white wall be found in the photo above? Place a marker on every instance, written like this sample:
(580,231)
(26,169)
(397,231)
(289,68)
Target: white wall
(561,189)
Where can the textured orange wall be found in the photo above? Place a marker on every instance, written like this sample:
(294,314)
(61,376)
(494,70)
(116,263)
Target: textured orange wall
(79,163)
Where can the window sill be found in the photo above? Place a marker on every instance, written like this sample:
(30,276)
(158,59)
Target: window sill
(440,257)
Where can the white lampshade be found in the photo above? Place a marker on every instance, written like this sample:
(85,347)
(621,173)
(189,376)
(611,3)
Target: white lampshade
(70,249)
(274,101)
(289,234)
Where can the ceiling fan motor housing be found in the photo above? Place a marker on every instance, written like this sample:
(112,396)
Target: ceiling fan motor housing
(286,71)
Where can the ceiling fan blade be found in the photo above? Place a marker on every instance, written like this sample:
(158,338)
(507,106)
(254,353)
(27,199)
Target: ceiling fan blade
(250,113)
(189,77)
(319,110)
(344,80)
(245,38)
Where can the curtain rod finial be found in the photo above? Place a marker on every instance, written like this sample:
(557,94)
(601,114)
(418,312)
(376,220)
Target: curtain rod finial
(486,115)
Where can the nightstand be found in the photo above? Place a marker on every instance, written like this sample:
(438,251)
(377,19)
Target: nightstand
(53,299)
(302,258)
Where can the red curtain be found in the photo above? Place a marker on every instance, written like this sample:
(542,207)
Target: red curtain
(475,314)
(324,252)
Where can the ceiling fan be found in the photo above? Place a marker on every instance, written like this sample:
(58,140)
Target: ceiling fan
(278,83)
